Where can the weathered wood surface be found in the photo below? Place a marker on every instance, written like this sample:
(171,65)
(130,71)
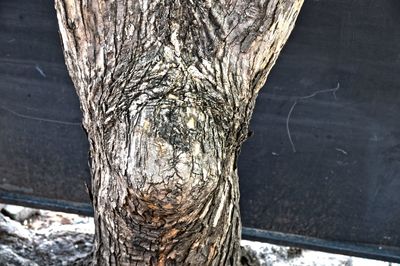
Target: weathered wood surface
(318,191)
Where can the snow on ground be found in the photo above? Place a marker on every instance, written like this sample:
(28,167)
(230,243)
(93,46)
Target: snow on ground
(47,223)
(275,255)
(268,254)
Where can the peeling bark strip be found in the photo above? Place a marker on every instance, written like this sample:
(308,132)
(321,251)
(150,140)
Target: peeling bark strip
(167,89)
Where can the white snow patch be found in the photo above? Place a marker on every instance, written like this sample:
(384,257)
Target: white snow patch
(274,255)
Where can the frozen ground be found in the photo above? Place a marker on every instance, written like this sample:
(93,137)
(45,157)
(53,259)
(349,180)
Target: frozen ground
(59,238)
(274,255)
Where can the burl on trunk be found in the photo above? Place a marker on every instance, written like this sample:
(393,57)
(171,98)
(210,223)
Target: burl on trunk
(167,89)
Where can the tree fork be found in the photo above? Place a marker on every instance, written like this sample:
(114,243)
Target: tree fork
(167,89)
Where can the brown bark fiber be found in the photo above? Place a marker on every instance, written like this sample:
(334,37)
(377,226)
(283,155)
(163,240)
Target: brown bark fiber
(167,89)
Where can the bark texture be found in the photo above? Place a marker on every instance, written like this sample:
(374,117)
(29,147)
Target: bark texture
(167,89)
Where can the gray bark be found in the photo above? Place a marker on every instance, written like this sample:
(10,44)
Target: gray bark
(167,89)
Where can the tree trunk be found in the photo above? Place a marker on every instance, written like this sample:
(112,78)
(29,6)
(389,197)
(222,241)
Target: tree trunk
(167,89)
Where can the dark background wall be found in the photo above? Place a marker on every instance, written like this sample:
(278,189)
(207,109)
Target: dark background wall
(43,149)
(343,181)
(334,91)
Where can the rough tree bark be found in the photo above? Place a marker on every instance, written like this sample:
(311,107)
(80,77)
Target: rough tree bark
(167,89)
